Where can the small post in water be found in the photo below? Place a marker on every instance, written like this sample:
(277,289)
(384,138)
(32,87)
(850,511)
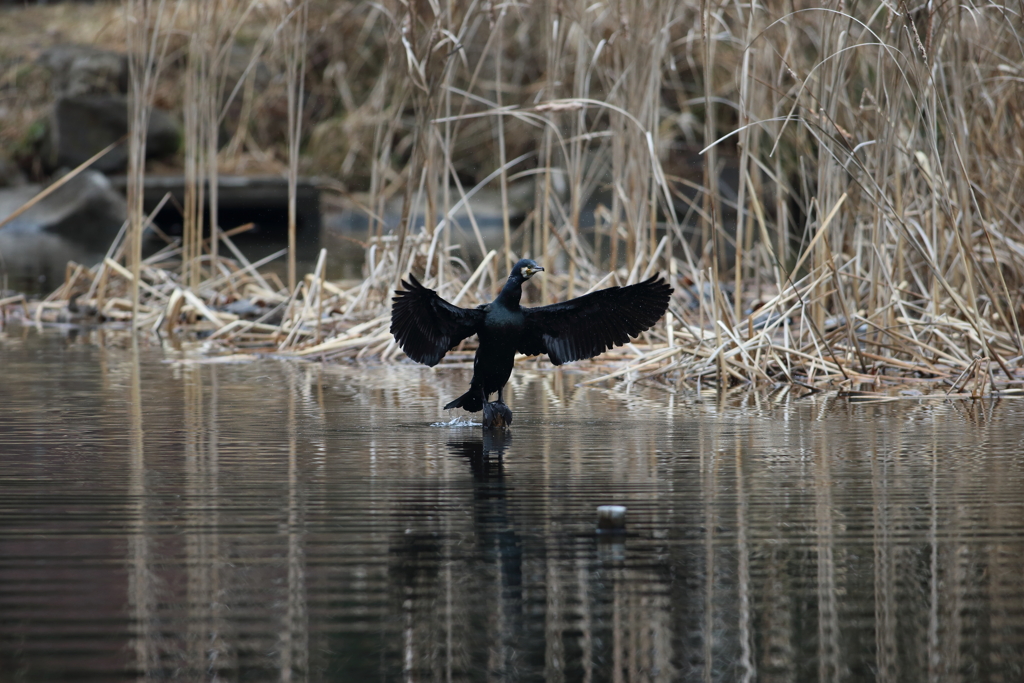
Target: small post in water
(611,519)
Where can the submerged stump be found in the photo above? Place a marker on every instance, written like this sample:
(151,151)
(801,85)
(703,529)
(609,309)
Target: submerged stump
(497,416)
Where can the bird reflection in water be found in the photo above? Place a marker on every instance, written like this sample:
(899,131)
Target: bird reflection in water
(497,540)
(485,454)
(495,532)
(449,570)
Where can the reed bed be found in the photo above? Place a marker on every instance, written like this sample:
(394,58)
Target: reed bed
(834,191)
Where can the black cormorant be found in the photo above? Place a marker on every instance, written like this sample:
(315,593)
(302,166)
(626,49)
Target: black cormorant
(426,326)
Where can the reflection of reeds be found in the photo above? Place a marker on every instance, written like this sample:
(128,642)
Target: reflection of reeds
(772,512)
(866,236)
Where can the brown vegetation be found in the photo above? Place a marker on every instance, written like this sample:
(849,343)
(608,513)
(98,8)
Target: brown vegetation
(854,213)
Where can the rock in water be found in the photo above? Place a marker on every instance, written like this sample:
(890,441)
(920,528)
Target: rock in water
(77,222)
(86,210)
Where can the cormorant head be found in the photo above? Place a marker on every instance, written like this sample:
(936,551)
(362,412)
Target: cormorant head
(525,269)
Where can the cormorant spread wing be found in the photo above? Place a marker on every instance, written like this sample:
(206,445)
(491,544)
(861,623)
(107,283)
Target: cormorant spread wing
(593,323)
(426,326)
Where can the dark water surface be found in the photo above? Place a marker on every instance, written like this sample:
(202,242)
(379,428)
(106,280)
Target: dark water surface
(274,520)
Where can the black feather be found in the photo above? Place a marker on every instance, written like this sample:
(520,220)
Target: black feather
(593,323)
(426,326)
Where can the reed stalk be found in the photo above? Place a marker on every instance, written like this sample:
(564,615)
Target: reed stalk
(296,22)
(147,42)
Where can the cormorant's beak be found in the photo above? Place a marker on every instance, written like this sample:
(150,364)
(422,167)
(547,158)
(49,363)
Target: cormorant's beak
(534,271)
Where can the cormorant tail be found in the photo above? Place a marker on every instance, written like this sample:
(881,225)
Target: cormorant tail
(471,401)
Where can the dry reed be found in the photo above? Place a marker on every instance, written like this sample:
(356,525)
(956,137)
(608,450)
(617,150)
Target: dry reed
(146,39)
(854,221)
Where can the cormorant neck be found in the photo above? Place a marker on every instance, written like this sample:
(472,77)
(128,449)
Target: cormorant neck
(511,293)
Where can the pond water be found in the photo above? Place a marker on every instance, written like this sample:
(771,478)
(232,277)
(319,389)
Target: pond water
(162,519)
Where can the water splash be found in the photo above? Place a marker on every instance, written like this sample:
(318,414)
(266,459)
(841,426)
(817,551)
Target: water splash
(458,421)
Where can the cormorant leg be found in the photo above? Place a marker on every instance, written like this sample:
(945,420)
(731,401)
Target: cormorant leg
(488,409)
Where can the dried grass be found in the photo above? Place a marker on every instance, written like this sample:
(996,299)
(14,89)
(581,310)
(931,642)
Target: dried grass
(870,229)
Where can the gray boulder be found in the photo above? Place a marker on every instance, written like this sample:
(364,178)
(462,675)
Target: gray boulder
(84,70)
(85,210)
(80,126)
(10,174)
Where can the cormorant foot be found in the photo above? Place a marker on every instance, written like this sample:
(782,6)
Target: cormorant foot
(497,416)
